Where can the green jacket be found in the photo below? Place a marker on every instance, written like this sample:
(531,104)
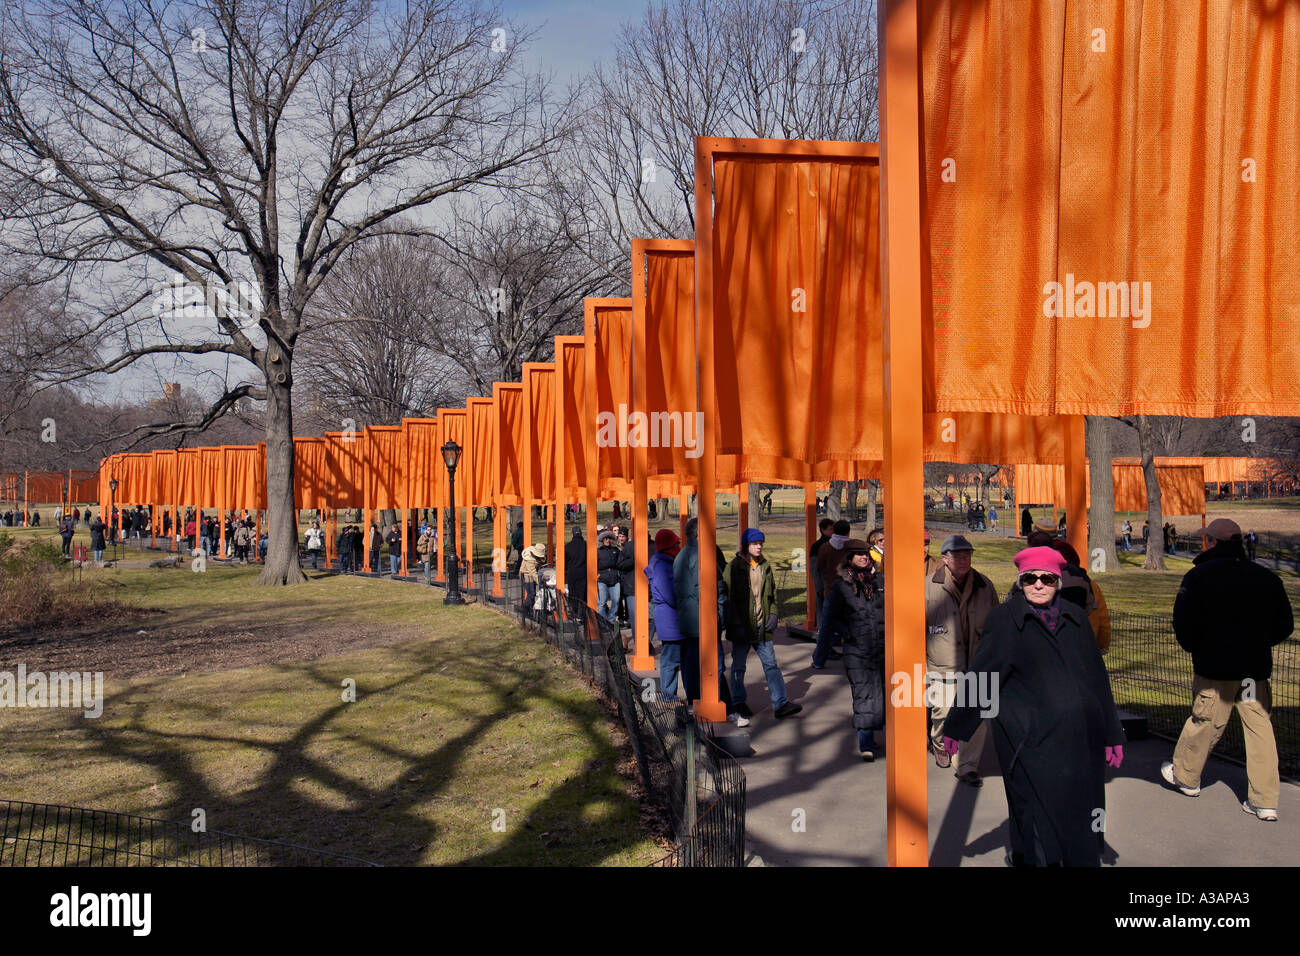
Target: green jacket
(742,627)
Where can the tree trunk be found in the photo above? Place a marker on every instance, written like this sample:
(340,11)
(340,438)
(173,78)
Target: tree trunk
(1155,559)
(852,492)
(755,505)
(282,532)
(1101,486)
(873,488)
(834,498)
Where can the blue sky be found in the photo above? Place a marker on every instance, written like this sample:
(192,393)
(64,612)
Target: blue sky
(574,34)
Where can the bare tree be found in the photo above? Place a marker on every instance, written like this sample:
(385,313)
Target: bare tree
(1101,507)
(1150,448)
(226,141)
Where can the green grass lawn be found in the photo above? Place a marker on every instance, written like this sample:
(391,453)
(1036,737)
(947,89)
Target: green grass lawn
(466,722)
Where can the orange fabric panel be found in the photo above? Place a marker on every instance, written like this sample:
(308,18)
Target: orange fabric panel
(245,478)
(613,390)
(311,479)
(670,354)
(981,438)
(1156,167)
(85,485)
(509,397)
(187,477)
(796,305)
(569,363)
(424,467)
(343,464)
(452,423)
(381,465)
(1182,489)
(480,484)
(209,478)
(43,486)
(165,470)
(539,407)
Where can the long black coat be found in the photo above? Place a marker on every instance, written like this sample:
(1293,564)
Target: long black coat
(1055,718)
(860,617)
(575,568)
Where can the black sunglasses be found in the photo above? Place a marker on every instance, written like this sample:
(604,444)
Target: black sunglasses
(1047,577)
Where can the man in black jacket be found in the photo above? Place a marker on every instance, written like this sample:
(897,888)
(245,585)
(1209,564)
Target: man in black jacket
(1229,614)
(608,577)
(626,569)
(575,574)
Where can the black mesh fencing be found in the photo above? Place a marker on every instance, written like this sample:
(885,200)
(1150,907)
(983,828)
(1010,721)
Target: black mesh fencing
(1151,675)
(677,758)
(40,834)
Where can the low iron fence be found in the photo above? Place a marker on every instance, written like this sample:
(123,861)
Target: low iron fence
(40,834)
(677,757)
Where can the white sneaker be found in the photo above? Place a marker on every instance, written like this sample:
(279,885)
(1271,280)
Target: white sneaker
(1167,771)
(1261,812)
(738,720)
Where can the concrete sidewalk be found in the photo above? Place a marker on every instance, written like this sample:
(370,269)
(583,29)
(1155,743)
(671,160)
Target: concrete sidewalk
(810,763)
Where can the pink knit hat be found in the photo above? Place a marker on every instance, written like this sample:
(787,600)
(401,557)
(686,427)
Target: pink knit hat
(1040,559)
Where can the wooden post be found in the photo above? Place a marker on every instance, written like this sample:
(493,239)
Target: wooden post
(907,809)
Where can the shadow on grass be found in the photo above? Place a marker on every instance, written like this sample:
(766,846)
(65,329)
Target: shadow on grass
(391,822)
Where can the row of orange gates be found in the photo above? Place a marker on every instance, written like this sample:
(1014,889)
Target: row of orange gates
(1048,176)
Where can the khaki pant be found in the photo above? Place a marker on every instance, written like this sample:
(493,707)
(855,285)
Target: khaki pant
(1212,703)
(970,751)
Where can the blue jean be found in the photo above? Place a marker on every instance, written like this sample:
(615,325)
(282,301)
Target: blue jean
(99,555)
(345,562)
(205,545)
(679,657)
(630,600)
(767,657)
(1128,542)
(825,633)
(394,564)
(607,593)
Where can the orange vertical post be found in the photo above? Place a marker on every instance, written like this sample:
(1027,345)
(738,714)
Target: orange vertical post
(683,511)
(1076,486)
(809,539)
(641,657)
(591,403)
(710,706)
(742,510)
(560,494)
(901,233)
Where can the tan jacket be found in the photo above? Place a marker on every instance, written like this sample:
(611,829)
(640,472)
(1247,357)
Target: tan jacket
(949,645)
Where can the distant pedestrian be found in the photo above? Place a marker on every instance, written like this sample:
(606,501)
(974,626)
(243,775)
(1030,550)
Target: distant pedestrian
(66,531)
(427,547)
(1229,615)
(1251,540)
(97,538)
(1026,523)
(1127,531)
(315,543)
(394,541)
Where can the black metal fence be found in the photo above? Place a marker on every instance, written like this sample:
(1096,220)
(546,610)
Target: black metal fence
(1151,675)
(677,757)
(40,834)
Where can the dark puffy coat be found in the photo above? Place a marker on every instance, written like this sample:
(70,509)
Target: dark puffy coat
(607,559)
(662,593)
(575,568)
(1229,614)
(1054,719)
(627,567)
(859,613)
(97,535)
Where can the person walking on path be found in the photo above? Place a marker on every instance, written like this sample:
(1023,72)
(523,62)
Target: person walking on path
(315,543)
(343,544)
(575,575)
(1026,523)
(751,622)
(627,572)
(1229,615)
(427,547)
(608,577)
(374,543)
(857,604)
(958,600)
(1251,540)
(678,657)
(534,557)
(829,557)
(97,539)
(66,531)
(1126,529)
(1055,726)
(686,587)
(394,541)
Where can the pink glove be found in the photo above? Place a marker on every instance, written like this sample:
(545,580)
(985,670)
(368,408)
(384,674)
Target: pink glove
(1115,756)
(950,745)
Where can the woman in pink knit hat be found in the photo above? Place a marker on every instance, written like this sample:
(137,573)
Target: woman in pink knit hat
(1055,727)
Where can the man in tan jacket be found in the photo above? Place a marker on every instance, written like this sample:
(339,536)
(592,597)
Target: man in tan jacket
(957,600)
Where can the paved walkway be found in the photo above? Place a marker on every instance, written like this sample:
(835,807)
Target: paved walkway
(810,763)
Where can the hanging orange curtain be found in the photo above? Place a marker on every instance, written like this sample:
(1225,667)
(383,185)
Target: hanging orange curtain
(382,465)
(424,465)
(343,464)
(311,475)
(452,424)
(796,300)
(610,337)
(483,440)
(1125,234)
(244,481)
(509,398)
(539,407)
(570,362)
